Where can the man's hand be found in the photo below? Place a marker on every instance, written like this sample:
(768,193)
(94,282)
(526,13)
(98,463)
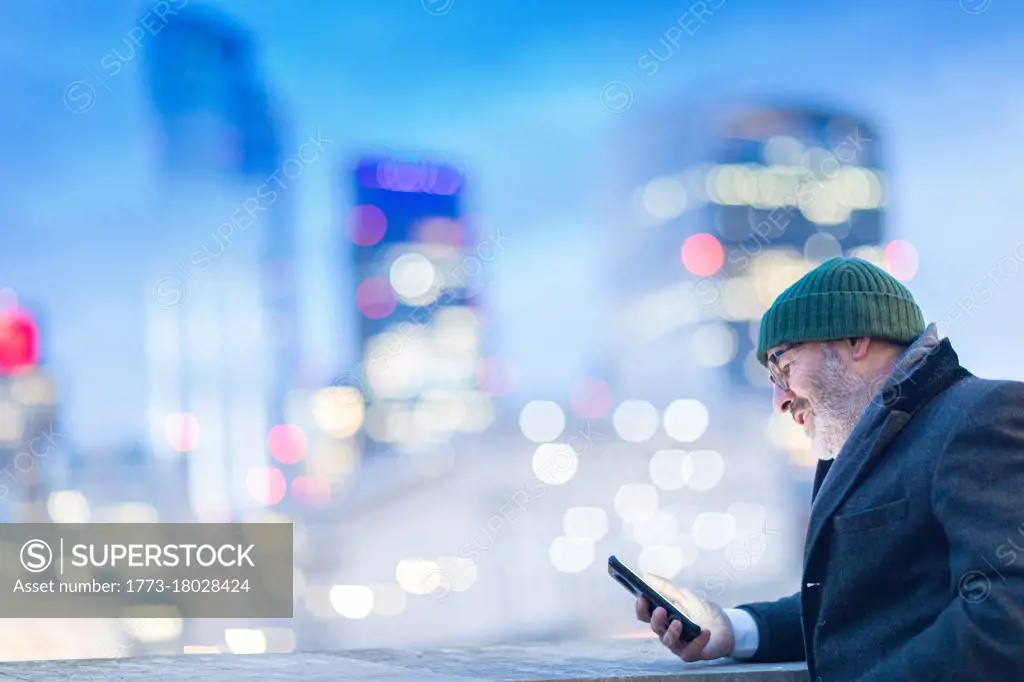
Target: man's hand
(716,638)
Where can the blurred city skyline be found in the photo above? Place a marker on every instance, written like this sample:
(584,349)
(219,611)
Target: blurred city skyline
(513,94)
(228,339)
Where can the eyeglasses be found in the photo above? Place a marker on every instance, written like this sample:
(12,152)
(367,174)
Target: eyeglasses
(780,375)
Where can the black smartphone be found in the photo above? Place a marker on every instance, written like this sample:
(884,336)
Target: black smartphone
(637,587)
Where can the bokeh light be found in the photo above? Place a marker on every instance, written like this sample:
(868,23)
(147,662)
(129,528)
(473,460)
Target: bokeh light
(658,528)
(412,275)
(635,502)
(702,255)
(338,410)
(635,420)
(266,485)
(590,399)
(367,225)
(901,259)
(287,443)
(311,492)
(686,420)
(375,298)
(708,469)
(555,463)
(68,506)
(670,469)
(783,150)
(331,460)
(182,431)
(414,575)
(542,420)
(713,344)
(739,300)
(664,198)
(821,246)
(712,530)
(571,555)
(352,601)
(245,641)
(585,523)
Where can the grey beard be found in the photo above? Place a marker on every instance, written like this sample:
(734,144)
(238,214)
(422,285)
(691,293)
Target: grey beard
(841,400)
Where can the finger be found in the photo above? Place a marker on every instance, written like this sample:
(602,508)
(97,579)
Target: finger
(694,651)
(671,638)
(659,621)
(643,610)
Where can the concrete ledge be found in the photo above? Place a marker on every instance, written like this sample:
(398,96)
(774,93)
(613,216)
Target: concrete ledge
(593,661)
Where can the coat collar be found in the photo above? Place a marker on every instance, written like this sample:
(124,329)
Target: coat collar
(928,367)
(924,370)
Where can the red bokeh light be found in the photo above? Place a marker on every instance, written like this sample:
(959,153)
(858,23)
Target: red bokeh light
(266,485)
(19,341)
(182,431)
(702,254)
(287,443)
(496,376)
(367,225)
(311,491)
(900,259)
(375,298)
(590,399)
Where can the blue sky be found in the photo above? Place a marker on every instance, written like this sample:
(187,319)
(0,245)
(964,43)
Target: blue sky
(512,90)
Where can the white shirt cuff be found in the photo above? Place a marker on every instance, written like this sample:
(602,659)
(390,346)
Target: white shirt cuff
(744,630)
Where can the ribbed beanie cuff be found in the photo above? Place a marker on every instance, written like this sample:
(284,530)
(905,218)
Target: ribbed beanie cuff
(841,298)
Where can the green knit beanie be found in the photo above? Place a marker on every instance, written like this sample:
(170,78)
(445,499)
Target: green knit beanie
(841,298)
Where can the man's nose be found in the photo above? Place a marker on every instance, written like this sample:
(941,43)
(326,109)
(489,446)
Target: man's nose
(782,398)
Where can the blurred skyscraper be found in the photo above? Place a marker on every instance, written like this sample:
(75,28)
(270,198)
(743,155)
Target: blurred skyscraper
(719,206)
(223,329)
(418,270)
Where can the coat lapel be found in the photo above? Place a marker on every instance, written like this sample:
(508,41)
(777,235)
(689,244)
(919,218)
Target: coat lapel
(824,465)
(853,463)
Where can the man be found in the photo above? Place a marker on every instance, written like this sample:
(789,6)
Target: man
(910,568)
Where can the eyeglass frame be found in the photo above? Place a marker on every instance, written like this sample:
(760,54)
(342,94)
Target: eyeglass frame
(780,375)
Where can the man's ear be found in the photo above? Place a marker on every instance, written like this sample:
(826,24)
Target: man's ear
(859,347)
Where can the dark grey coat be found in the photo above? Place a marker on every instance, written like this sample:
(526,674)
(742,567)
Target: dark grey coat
(914,558)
